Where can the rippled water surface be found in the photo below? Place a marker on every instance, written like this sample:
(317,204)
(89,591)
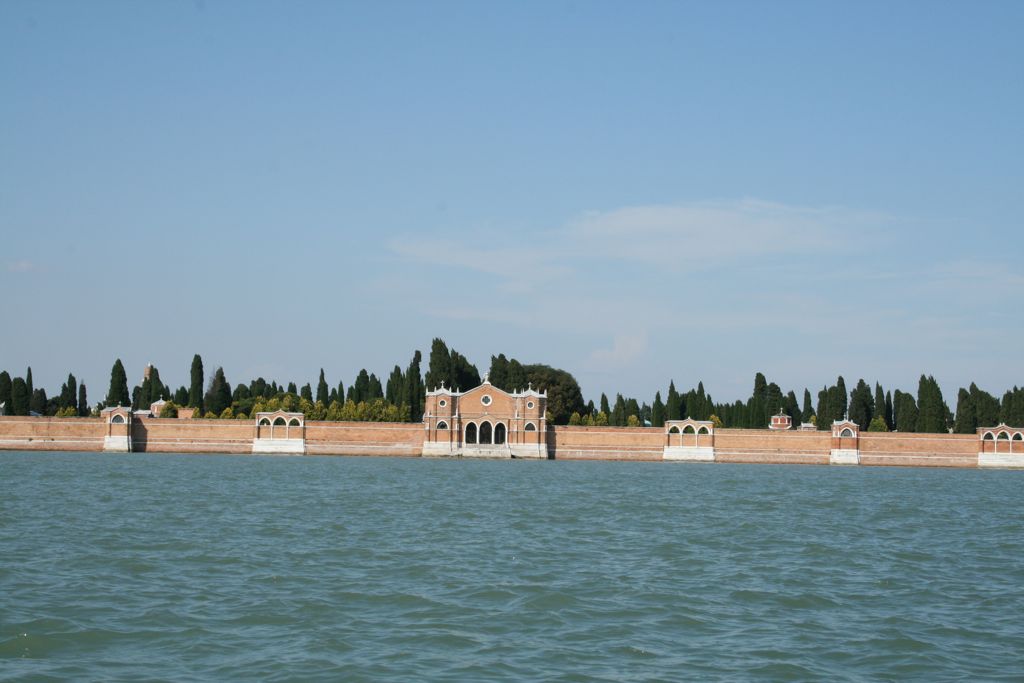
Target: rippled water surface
(166,567)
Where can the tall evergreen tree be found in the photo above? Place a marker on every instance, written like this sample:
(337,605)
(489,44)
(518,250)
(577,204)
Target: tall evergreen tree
(890,421)
(879,402)
(808,412)
(414,389)
(932,410)
(618,416)
(986,407)
(658,411)
(341,392)
(28,383)
(321,388)
(824,411)
(219,396)
(118,395)
(861,405)
(605,408)
(394,391)
(966,421)
(181,396)
(157,390)
(5,391)
(906,412)
(37,402)
(306,392)
(19,397)
(83,401)
(792,408)
(292,388)
(439,370)
(195,392)
(673,405)
(498,374)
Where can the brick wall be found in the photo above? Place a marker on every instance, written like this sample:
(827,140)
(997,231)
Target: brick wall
(364,438)
(791,447)
(170,435)
(919,450)
(51,433)
(606,443)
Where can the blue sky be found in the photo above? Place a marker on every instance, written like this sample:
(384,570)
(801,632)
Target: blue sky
(630,191)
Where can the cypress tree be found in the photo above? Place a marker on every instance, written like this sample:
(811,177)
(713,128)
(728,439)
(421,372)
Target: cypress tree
(292,389)
(341,392)
(195,392)
(181,396)
(19,397)
(157,390)
(824,410)
(83,402)
(361,389)
(986,407)
(306,392)
(633,408)
(966,421)
(5,391)
(906,412)
(841,409)
(439,368)
(618,416)
(498,374)
(861,408)
(414,389)
(118,395)
(28,383)
(879,404)
(321,388)
(792,409)
(932,410)
(604,405)
(808,411)
(37,402)
(376,390)
(673,405)
(658,411)
(219,396)
(69,400)
(890,420)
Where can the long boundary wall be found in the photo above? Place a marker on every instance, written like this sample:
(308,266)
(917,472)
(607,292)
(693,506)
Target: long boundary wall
(158,435)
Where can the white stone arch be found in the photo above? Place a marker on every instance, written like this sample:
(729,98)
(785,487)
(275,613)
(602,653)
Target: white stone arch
(1017,436)
(989,436)
(264,422)
(847,433)
(441,425)
(689,429)
(674,429)
(294,422)
(703,430)
(471,433)
(279,421)
(117,420)
(500,434)
(530,427)
(486,433)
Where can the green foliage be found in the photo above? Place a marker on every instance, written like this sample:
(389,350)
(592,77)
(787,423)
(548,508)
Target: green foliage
(117,395)
(575,419)
(218,397)
(673,405)
(321,389)
(632,421)
(715,420)
(83,401)
(5,389)
(861,405)
(808,411)
(878,424)
(306,392)
(169,409)
(932,409)
(601,419)
(658,411)
(195,392)
(966,421)
(68,411)
(227,414)
(905,412)
(19,397)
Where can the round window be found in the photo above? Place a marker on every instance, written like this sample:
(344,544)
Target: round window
(530,405)
(442,403)
(486,400)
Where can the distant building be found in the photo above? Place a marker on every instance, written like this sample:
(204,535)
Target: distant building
(781,421)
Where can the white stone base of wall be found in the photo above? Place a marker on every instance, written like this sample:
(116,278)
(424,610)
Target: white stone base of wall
(844,456)
(279,446)
(689,453)
(479,451)
(117,444)
(1000,459)
(532,451)
(439,450)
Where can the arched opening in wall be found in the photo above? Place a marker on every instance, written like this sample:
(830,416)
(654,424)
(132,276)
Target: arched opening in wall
(294,422)
(279,422)
(688,429)
(499,433)
(1018,437)
(674,430)
(703,430)
(530,427)
(471,433)
(117,420)
(442,425)
(1003,436)
(485,432)
(988,437)
(264,422)
(846,433)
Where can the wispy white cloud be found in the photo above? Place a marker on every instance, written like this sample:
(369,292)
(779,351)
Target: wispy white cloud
(625,349)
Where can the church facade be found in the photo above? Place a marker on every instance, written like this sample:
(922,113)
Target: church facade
(485,422)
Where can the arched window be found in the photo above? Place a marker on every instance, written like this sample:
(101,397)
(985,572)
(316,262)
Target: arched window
(845,433)
(499,433)
(117,420)
(279,421)
(530,427)
(264,422)
(674,429)
(485,432)
(442,425)
(988,436)
(471,433)
(1018,437)
(1003,436)
(294,422)
(703,430)
(688,429)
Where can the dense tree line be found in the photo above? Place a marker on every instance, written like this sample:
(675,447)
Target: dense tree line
(401,398)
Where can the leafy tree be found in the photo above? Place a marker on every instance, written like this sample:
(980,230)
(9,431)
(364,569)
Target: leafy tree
(575,419)
(658,411)
(321,388)
(878,424)
(632,421)
(195,392)
(117,394)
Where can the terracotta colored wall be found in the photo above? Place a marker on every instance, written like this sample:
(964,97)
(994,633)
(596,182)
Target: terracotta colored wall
(51,433)
(762,446)
(606,443)
(364,438)
(919,450)
(170,435)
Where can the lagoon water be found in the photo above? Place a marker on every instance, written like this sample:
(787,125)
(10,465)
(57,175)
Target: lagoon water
(185,567)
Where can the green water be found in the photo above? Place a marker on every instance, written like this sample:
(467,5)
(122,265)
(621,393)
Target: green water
(167,567)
